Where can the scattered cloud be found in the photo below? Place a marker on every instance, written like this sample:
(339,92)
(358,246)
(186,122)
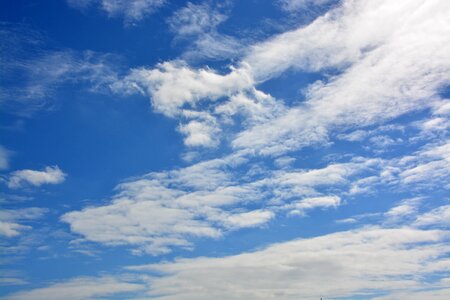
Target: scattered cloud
(49,175)
(197,25)
(31,75)
(11,278)
(438,217)
(306,204)
(9,219)
(131,11)
(209,199)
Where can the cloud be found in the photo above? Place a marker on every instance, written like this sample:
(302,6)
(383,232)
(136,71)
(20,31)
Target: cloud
(80,288)
(306,204)
(176,90)
(131,11)
(407,208)
(361,94)
(295,5)
(172,85)
(167,209)
(200,133)
(4,158)
(9,219)
(439,217)
(414,55)
(197,25)
(161,210)
(32,73)
(348,261)
(431,162)
(359,41)
(50,175)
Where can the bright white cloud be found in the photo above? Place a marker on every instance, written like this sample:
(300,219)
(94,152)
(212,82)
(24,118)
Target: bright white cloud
(200,133)
(80,288)
(168,209)
(174,84)
(364,40)
(49,175)
(352,263)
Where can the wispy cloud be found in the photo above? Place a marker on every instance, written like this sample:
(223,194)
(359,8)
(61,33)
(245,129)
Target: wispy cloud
(131,11)
(196,24)
(9,220)
(31,75)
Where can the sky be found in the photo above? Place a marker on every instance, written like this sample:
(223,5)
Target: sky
(286,149)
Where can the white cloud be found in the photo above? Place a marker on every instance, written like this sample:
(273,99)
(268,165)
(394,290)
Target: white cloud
(197,25)
(200,133)
(431,162)
(9,219)
(354,136)
(168,209)
(410,172)
(439,217)
(405,208)
(284,161)
(195,19)
(364,40)
(358,39)
(295,5)
(300,207)
(172,85)
(50,175)
(352,263)
(130,10)
(80,288)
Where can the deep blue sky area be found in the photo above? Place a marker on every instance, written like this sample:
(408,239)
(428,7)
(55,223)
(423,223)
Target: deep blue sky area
(176,150)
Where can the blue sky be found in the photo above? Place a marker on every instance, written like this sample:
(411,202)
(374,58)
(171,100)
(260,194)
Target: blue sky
(158,149)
